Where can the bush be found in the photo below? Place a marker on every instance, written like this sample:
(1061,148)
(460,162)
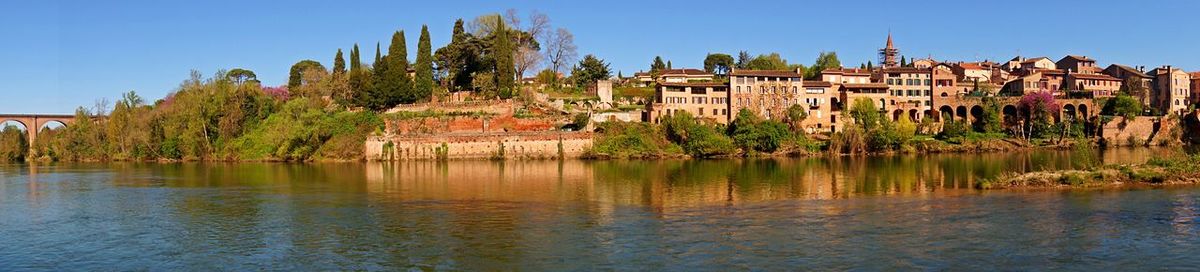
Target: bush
(696,138)
(752,134)
(633,140)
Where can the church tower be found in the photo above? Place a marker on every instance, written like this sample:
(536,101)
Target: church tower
(887,55)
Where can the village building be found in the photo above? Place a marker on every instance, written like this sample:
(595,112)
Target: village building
(1170,90)
(823,104)
(1194,97)
(672,75)
(1078,64)
(910,90)
(1092,85)
(767,93)
(703,100)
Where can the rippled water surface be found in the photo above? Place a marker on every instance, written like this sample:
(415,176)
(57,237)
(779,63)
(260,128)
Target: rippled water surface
(879,213)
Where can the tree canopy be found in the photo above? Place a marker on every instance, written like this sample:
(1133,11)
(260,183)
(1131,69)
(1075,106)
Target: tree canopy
(718,63)
(589,70)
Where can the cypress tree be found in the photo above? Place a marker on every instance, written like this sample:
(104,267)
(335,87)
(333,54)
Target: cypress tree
(397,76)
(424,66)
(382,91)
(339,63)
(503,55)
(359,81)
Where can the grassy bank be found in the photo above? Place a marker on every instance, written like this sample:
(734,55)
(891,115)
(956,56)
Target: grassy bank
(1179,169)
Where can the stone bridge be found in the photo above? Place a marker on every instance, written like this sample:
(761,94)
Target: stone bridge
(34,123)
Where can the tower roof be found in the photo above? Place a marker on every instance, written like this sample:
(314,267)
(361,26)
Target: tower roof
(889,41)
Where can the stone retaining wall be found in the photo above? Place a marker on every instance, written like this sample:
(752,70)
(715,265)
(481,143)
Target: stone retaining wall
(520,145)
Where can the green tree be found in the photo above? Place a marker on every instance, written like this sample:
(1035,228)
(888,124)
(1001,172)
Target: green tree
(240,75)
(460,59)
(1123,105)
(384,90)
(657,67)
(865,113)
(743,60)
(13,144)
(296,76)
(589,70)
(718,64)
(768,62)
(903,61)
(825,60)
(502,53)
(399,84)
(990,120)
(339,63)
(359,81)
(796,114)
(424,66)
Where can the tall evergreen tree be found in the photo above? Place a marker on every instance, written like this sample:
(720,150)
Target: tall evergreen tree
(383,93)
(503,48)
(668,65)
(657,66)
(339,63)
(397,75)
(424,66)
(360,80)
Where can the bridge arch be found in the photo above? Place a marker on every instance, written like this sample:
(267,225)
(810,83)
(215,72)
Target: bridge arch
(15,123)
(34,123)
(961,112)
(976,113)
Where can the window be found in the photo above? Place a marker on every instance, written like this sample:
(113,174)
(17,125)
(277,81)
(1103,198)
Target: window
(714,111)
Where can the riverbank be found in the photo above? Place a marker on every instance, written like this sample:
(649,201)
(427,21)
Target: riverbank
(1175,170)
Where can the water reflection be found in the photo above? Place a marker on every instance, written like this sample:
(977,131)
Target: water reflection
(907,212)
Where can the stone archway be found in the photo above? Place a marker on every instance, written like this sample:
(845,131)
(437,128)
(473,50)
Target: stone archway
(1010,113)
(961,112)
(896,115)
(976,113)
(1083,111)
(1068,111)
(913,115)
(947,113)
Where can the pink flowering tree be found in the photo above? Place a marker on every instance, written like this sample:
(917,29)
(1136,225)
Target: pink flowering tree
(278,93)
(1037,110)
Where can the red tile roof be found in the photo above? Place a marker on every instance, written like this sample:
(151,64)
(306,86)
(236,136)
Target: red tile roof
(685,71)
(693,84)
(906,70)
(847,71)
(808,83)
(865,85)
(767,73)
(1094,76)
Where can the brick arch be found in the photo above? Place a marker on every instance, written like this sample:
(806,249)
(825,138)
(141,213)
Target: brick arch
(35,122)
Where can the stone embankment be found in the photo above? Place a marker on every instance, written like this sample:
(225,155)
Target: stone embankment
(493,145)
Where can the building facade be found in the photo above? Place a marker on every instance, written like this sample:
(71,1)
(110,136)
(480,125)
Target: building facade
(767,93)
(703,100)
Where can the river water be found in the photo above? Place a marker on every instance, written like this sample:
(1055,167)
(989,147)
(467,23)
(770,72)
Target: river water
(879,213)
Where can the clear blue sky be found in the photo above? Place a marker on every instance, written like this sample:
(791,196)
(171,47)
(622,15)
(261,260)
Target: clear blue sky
(59,55)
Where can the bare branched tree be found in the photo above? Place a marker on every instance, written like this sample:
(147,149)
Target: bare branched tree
(560,49)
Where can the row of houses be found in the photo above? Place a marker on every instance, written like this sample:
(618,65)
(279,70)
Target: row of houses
(924,89)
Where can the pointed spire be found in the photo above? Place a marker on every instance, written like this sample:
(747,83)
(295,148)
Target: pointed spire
(889,41)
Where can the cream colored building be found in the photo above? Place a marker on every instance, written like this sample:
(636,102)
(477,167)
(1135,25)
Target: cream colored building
(767,93)
(822,101)
(1170,91)
(1098,85)
(910,89)
(703,100)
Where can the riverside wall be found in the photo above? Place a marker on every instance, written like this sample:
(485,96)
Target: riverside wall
(486,145)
